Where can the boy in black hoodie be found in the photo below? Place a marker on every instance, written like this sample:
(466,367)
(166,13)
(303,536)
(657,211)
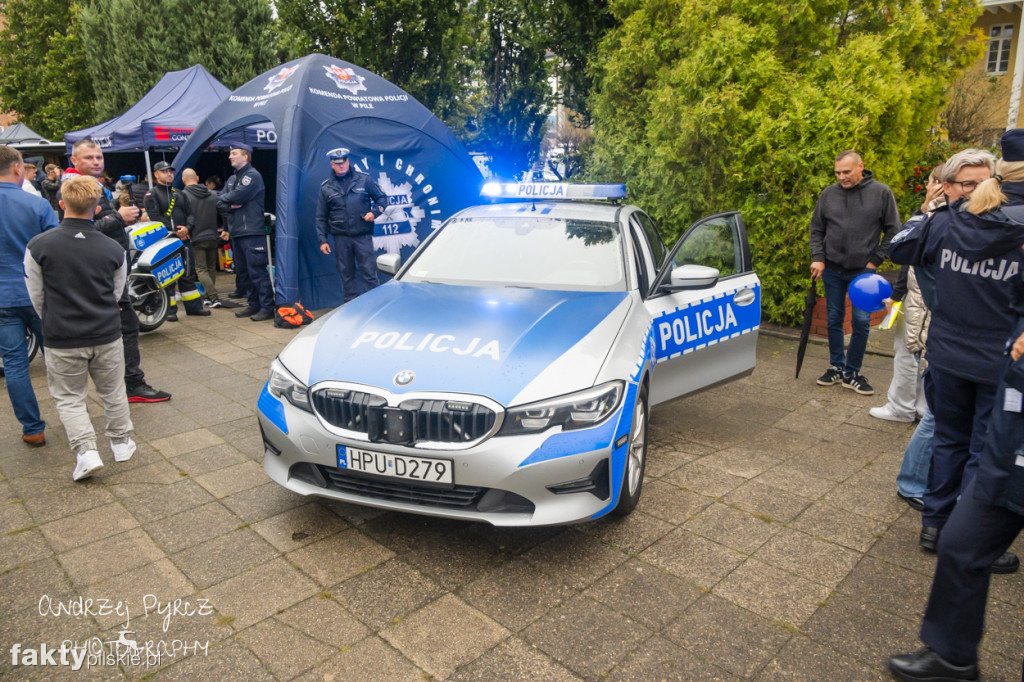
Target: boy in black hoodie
(75,275)
(201,228)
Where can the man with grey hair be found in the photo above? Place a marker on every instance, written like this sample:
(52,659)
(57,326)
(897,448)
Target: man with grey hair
(852,224)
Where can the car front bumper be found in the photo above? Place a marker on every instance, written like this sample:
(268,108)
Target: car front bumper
(503,480)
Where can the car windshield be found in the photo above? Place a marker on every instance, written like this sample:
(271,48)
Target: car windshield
(529,252)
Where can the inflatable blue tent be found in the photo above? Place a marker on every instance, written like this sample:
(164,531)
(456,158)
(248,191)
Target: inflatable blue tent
(315,104)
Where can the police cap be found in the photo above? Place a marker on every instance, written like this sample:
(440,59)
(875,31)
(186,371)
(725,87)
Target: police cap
(1012,145)
(163,165)
(243,146)
(338,154)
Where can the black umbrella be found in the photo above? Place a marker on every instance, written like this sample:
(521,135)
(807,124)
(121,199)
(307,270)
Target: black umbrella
(805,330)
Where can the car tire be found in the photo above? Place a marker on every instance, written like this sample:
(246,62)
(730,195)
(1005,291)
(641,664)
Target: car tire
(636,458)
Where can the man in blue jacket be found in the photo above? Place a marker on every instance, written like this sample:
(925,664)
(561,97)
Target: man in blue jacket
(348,203)
(242,203)
(22,216)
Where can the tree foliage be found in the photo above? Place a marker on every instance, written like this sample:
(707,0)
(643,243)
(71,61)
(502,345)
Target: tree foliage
(426,48)
(514,73)
(132,43)
(743,104)
(574,29)
(42,66)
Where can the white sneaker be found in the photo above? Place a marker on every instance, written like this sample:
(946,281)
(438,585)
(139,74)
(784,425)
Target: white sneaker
(886,412)
(123,451)
(88,463)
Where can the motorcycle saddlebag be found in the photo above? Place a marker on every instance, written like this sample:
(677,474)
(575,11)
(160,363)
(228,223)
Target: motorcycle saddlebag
(144,235)
(164,260)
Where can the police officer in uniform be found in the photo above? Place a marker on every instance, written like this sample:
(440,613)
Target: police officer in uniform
(242,202)
(984,524)
(974,250)
(165,204)
(348,203)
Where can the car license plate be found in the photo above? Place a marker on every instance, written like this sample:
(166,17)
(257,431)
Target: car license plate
(425,469)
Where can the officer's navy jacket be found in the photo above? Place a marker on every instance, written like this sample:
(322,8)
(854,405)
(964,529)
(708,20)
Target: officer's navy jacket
(975,261)
(244,189)
(342,203)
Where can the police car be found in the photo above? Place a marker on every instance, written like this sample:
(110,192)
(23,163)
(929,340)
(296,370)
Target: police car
(507,372)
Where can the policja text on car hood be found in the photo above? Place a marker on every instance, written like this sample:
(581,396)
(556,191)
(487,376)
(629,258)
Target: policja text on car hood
(464,339)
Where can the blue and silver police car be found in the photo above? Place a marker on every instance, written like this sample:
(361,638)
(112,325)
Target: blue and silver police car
(507,372)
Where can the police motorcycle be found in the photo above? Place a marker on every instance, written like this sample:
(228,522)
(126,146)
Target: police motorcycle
(156,260)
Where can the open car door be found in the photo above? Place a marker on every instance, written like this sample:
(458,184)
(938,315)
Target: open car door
(705,306)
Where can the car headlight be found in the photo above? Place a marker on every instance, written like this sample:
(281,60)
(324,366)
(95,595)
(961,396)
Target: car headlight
(285,386)
(574,411)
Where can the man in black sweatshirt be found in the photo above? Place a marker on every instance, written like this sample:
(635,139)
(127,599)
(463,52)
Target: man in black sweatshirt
(852,224)
(201,229)
(75,275)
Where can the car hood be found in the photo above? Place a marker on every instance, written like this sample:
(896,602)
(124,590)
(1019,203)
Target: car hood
(475,340)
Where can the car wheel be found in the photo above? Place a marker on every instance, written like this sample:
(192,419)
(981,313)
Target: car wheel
(636,458)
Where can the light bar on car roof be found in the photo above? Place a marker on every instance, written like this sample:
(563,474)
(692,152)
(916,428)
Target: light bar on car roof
(551,190)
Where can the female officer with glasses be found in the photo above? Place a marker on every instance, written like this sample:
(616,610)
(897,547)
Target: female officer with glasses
(348,203)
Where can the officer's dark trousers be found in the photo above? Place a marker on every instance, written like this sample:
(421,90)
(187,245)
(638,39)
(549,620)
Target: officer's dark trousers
(251,256)
(187,284)
(242,283)
(962,409)
(133,376)
(976,535)
(351,254)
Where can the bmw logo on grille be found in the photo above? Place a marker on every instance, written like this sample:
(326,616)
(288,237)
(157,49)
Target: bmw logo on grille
(405,377)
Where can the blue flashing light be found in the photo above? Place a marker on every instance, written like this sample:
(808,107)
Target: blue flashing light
(551,190)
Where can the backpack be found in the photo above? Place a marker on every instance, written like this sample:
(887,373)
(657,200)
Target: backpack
(290,317)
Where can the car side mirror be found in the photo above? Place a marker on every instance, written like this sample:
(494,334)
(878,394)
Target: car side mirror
(692,276)
(391,262)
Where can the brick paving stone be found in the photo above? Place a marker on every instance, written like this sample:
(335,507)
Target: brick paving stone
(65,502)
(772,592)
(25,584)
(704,480)
(208,459)
(644,593)
(839,526)
(816,560)
(730,636)
(516,594)
(732,528)
(370,660)
(670,503)
(863,631)
(692,558)
(631,534)
(893,588)
(259,592)
(89,526)
(177,497)
(189,441)
(283,650)
(22,546)
(767,502)
(224,556)
(514,659)
(324,619)
(740,461)
(444,635)
(803,660)
(233,479)
(386,592)
(232,661)
(659,659)
(262,502)
(586,636)
(576,559)
(461,558)
(338,557)
(192,526)
(109,557)
(299,527)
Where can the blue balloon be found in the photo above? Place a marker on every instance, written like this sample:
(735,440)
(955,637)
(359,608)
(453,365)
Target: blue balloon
(869,291)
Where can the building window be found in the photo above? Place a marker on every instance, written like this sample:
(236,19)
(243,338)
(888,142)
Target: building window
(999,39)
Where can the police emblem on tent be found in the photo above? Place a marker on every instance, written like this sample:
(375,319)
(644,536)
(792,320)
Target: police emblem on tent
(396,226)
(345,79)
(278,79)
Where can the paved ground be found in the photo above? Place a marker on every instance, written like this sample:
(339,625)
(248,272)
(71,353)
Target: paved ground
(769,545)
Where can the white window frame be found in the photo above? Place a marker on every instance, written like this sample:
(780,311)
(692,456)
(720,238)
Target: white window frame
(999,45)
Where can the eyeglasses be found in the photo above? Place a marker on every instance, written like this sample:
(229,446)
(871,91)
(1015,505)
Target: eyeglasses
(966,185)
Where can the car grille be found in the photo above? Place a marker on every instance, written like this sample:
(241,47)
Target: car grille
(333,478)
(438,421)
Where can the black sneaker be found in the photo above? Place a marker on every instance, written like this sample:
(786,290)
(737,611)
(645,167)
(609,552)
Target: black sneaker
(858,383)
(214,304)
(248,312)
(144,393)
(172,315)
(833,376)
